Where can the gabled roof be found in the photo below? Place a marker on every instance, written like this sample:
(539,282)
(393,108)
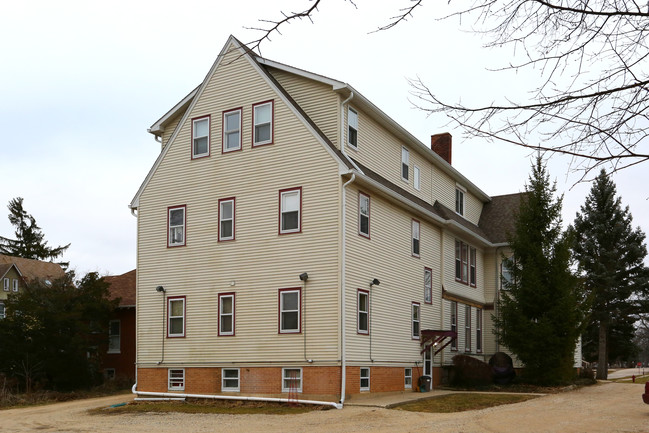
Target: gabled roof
(34,269)
(5,267)
(122,286)
(498,216)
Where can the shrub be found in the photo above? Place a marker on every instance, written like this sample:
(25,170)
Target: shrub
(470,371)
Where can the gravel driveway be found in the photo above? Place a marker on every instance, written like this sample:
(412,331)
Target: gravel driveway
(606,408)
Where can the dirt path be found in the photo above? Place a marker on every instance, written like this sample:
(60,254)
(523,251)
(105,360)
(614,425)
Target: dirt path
(606,408)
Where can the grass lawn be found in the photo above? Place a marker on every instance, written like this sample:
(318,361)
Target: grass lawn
(638,379)
(462,402)
(234,407)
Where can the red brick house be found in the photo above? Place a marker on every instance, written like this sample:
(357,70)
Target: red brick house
(119,361)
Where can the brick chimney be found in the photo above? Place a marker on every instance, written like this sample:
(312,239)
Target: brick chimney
(442,144)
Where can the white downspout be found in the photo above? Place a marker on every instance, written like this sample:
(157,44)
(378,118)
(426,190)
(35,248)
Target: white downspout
(343,329)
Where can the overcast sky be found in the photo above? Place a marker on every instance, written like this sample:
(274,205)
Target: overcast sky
(81,81)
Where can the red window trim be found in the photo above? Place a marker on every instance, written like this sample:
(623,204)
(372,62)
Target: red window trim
(173,298)
(299,310)
(473,263)
(466,279)
(369,213)
(279,210)
(412,238)
(272,123)
(431,285)
(240,110)
(184,207)
(234,219)
(412,304)
(358,330)
(218,314)
(209,137)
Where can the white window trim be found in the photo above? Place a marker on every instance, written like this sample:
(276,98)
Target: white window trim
(194,137)
(362,196)
(416,181)
(405,161)
(407,385)
(6,284)
(368,377)
(428,286)
(183,226)
(453,317)
(169,316)
(283,193)
(170,380)
(254,123)
(415,231)
(360,293)
(415,306)
(467,328)
(221,219)
(478,330)
(285,378)
(119,337)
(223,379)
(222,314)
(352,125)
(224,147)
(15,284)
(460,190)
(282,311)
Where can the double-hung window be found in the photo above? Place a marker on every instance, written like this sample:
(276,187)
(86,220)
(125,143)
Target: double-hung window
(262,119)
(289,311)
(15,284)
(478,330)
(454,324)
(176,379)
(5,283)
(459,201)
(416,181)
(290,201)
(415,238)
(365,378)
(352,132)
(416,320)
(176,316)
(200,137)
(405,164)
(465,264)
(176,226)
(232,130)
(291,380)
(114,331)
(363,311)
(472,267)
(364,215)
(467,328)
(506,273)
(226,219)
(230,380)
(226,314)
(428,285)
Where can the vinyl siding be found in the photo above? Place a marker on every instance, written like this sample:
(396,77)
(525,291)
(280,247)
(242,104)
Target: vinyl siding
(475,294)
(259,261)
(318,100)
(387,257)
(170,128)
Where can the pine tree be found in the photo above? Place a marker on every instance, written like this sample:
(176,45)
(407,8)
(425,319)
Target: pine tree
(29,241)
(611,257)
(539,316)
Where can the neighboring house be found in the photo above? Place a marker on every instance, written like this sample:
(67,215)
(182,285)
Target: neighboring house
(16,272)
(119,360)
(293,238)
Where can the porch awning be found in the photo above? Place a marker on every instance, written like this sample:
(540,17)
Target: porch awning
(436,338)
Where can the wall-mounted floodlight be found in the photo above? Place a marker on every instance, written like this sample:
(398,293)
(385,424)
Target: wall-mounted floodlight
(304,276)
(160,289)
(375,282)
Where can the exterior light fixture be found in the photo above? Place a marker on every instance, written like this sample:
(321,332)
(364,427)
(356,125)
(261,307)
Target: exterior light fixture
(304,276)
(375,282)
(160,289)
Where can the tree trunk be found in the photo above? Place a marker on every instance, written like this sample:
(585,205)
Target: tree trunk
(602,358)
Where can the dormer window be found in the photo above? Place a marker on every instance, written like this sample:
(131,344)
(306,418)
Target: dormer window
(459,201)
(201,137)
(352,123)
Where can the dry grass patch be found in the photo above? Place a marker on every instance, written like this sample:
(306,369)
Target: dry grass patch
(462,402)
(234,407)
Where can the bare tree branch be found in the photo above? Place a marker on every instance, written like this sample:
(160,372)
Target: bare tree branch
(403,15)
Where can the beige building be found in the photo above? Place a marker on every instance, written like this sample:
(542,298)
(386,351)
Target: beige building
(295,240)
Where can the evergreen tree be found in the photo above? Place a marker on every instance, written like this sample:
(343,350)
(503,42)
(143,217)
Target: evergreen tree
(29,241)
(610,254)
(540,314)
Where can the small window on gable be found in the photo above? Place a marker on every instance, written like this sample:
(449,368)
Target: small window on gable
(226,314)
(428,286)
(5,283)
(15,284)
(416,320)
(405,164)
(289,311)
(226,219)
(416,181)
(352,122)
(176,379)
(262,119)
(176,217)
(290,210)
(415,238)
(459,201)
(201,137)
(363,311)
(364,215)
(232,130)
(176,317)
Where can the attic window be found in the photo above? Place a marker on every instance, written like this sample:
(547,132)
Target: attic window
(263,123)
(405,163)
(352,122)
(232,130)
(459,200)
(201,137)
